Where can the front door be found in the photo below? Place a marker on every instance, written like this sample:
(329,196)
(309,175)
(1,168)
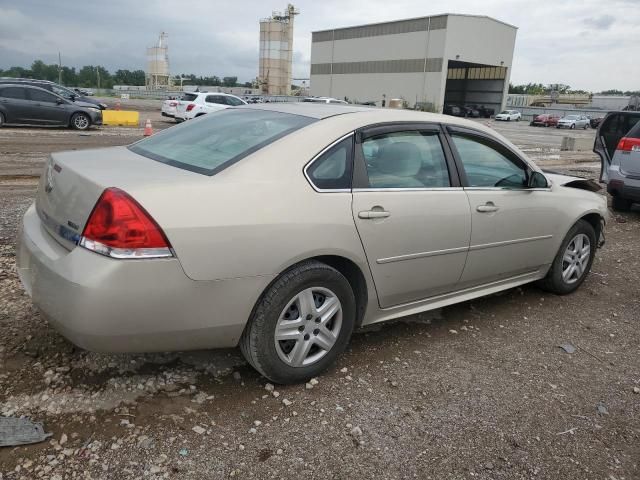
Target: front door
(512,225)
(44,108)
(412,215)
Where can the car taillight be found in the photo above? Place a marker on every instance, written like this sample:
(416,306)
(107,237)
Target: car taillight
(190,107)
(119,227)
(173,104)
(628,144)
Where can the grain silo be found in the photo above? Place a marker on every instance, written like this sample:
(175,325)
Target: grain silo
(276,52)
(157,75)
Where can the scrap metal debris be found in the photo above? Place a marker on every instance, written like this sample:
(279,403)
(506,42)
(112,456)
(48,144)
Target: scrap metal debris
(20,431)
(567,347)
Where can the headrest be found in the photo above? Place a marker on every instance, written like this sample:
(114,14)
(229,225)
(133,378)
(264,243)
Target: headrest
(399,158)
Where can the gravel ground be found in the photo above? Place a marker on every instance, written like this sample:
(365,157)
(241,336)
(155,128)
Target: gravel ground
(477,390)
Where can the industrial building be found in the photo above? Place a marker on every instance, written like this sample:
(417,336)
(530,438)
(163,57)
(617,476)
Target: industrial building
(427,61)
(276,52)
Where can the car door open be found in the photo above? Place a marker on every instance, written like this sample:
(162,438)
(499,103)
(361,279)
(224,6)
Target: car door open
(411,214)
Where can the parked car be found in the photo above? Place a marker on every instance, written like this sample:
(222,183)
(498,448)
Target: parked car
(595,122)
(573,121)
(84,91)
(23,104)
(57,89)
(509,115)
(485,112)
(324,100)
(169,107)
(545,120)
(282,227)
(196,104)
(618,146)
(453,110)
(470,112)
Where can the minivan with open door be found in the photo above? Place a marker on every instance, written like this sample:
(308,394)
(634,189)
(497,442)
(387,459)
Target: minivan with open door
(618,145)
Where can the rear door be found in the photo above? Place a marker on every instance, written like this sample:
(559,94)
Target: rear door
(215,102)
(611,130)
(410,211)
(15,104)
(44,108)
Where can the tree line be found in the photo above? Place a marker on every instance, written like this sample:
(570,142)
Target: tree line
(97,76)
(541,89)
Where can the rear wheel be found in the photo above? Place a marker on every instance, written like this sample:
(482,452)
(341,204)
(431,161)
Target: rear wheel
(573,261)
(80,121)
(301,324)
(621,204)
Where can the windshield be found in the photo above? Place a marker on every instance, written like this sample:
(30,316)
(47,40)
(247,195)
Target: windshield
(64,92)
(505,112)
(211,143)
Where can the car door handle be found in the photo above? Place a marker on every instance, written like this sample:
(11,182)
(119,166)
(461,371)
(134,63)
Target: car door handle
(487,208)
(374,214)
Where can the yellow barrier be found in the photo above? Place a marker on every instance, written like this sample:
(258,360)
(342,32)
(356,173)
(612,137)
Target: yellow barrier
(121,117)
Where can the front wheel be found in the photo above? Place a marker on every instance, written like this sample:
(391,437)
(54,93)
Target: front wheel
(573,126)
(573,260)
(301,324)
(80,121)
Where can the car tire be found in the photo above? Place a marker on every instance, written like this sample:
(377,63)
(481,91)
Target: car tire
(80,121)
(560,279)
(288,296)
(621,204)
(573,126)
(586,125)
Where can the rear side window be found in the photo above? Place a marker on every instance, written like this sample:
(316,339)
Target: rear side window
(217,140)
(18,93)
(332,170)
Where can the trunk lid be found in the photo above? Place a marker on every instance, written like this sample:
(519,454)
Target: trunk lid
(73,181)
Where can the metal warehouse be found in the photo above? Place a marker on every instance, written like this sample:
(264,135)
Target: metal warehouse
(428,61)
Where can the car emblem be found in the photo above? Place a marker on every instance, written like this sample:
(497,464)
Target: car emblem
(48,186)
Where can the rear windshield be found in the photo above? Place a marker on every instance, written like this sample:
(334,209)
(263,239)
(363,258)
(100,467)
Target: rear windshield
(189,97)
(211,143)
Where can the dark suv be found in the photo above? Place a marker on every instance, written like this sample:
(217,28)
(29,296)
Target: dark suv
(22,104)
(64,92)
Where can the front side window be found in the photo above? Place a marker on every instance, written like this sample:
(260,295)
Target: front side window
(41,96)
(408,159)
(63,92)
(215,99)
(219,139)
(234,102)
(489,165)
(332,170)
(13,92)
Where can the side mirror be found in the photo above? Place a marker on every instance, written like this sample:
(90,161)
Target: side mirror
(537,180)
(59,101)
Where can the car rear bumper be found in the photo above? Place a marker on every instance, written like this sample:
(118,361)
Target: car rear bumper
(109,305)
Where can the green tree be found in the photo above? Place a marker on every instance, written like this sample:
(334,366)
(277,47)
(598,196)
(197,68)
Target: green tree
(230,81)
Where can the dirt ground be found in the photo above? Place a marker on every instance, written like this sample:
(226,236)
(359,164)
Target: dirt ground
(477,390)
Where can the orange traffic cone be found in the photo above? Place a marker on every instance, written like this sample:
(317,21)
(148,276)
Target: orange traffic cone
(148,129)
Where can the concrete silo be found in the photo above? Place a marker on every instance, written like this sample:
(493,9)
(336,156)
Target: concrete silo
(157,75)
(276,52)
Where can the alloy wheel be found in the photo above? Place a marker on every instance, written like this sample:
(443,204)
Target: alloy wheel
(576,258)
(81,122)
(308,327)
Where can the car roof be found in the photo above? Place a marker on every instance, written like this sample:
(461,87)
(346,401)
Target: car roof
(23,85)
(213,93)
(24,80)
(315,110)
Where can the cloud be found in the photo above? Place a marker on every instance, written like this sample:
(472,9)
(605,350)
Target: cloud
(553,45)
(602,22)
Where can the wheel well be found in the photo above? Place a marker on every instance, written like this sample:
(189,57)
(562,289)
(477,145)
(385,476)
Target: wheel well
(595,220)
(355,277)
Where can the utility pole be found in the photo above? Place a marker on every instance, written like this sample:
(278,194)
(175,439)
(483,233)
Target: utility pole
(59,69)
(98,72)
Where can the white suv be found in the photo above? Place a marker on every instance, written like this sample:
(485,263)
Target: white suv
(194,104)
(508,115)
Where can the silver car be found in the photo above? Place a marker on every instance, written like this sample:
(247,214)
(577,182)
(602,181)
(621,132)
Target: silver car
(282,227)
(618,145)
(573,121)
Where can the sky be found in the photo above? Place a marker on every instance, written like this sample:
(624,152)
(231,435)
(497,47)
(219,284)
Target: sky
(592,45)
